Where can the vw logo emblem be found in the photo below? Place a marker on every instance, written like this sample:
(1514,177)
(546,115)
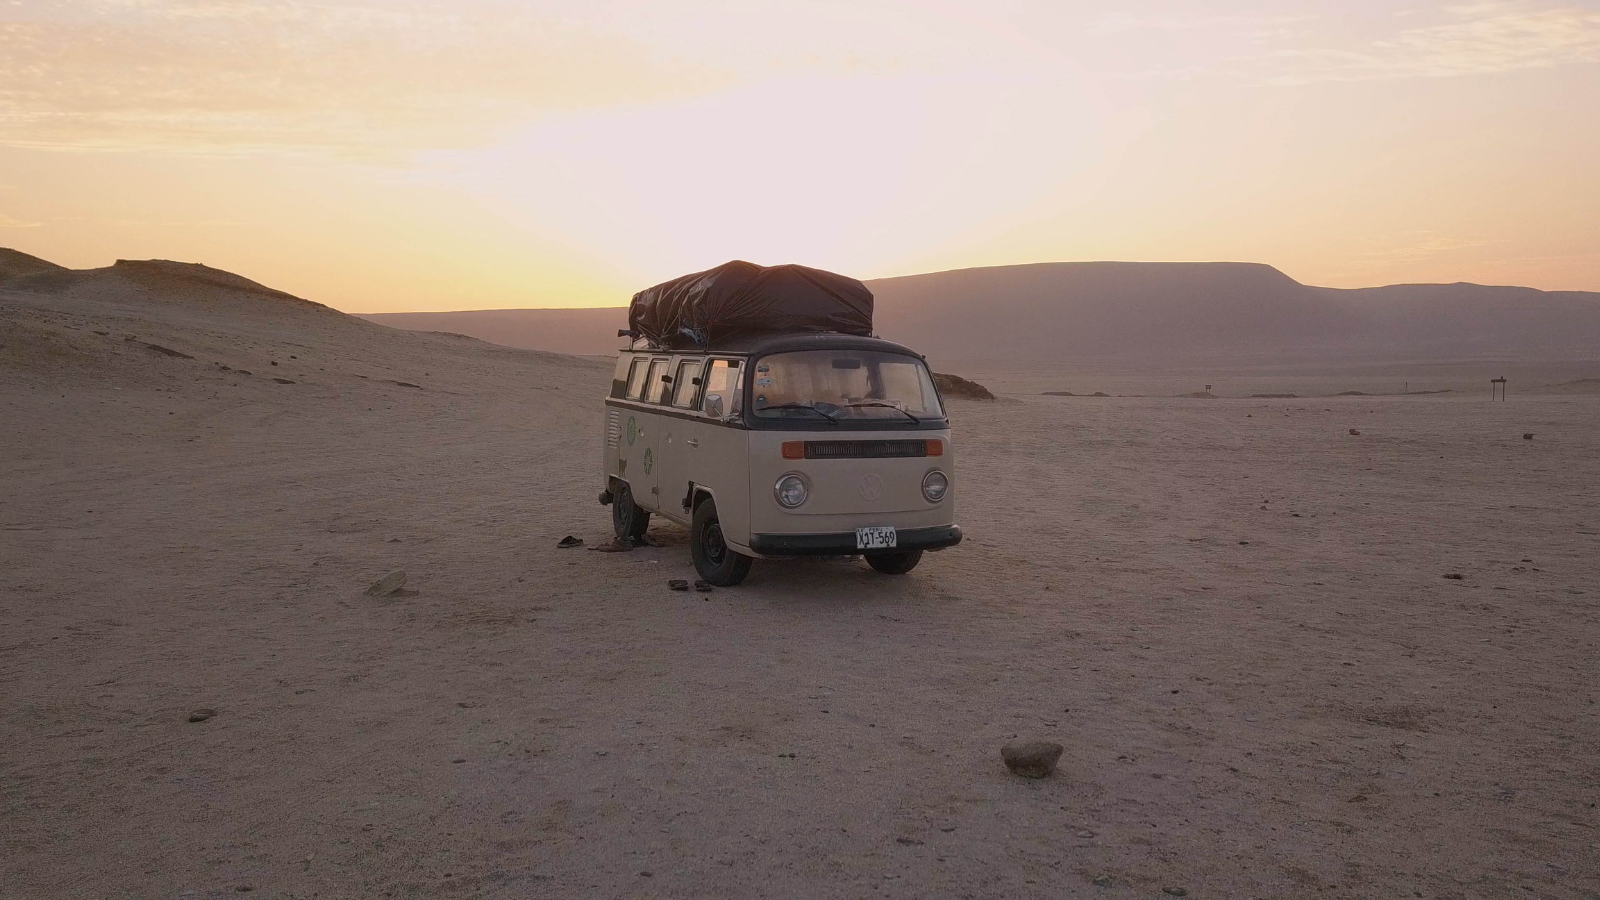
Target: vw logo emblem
(871,487)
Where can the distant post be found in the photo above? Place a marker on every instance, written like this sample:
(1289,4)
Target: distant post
(1497,388)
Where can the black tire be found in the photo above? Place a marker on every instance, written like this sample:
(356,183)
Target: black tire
(714,560)
(627,519)
(895,562)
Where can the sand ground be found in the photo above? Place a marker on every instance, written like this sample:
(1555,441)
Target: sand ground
(1232,613)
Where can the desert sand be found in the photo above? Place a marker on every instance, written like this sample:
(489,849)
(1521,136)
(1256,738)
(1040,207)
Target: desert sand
(1232,612)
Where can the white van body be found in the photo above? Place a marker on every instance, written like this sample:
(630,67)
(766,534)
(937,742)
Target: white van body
(856,420)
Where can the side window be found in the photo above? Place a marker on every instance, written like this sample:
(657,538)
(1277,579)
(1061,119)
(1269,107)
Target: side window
(656,381)
(636,378)
(686,387)
(722,387)
(619,378)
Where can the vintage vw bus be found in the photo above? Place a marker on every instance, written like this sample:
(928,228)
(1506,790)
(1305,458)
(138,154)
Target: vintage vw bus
(781,444)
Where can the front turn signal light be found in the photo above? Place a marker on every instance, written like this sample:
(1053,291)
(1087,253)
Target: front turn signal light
(935,447)
(794,449)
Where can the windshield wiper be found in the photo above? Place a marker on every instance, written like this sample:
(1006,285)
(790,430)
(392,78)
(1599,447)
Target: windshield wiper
(831,419)
(885,406)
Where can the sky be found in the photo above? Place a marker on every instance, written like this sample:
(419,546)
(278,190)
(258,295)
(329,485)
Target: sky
(472,154)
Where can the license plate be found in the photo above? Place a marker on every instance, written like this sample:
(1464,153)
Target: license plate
(877,537)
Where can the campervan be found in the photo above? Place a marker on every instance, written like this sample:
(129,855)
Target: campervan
(771,442)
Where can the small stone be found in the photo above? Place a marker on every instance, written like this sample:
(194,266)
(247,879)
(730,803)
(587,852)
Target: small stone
(909,842)
(388,584)
(647,874)
(457,761)
(678,584)
(1031,759)
(1454,576)
(569,542)
(1356,432)
(1101,880)
(1176,891)
(1527,435)
(1086,834)
(200,715)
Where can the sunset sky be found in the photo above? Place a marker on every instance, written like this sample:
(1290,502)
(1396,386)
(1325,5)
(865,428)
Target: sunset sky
(474,154)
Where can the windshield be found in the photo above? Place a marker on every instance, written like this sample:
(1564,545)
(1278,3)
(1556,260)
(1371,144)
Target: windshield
(844,384)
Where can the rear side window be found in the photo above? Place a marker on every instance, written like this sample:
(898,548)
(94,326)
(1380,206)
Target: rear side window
(636,379)
(722,383)
(687,385)
(656,381)
(619,378)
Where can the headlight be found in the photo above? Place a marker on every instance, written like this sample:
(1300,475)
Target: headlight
(934,486)
(791,491)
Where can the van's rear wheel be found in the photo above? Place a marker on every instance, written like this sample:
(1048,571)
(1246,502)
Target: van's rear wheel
(627,519)
(713,558)
(897,562)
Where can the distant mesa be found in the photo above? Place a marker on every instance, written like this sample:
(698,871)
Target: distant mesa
(1198,312)
(1140,312)
(956,386)
(1143,313)
(1199,395)
(1274,396)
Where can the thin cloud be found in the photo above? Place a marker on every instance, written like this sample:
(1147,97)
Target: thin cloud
(9,222)
(230,75)
(1488,39)
(1417,246)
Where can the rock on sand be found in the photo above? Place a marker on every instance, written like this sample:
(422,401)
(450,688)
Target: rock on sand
(1031,759)
(388,584)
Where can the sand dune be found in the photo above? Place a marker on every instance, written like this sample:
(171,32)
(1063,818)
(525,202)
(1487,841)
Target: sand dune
(1145,312)
(1231,612)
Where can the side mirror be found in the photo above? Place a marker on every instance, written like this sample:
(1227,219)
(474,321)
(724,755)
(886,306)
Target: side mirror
(714,405)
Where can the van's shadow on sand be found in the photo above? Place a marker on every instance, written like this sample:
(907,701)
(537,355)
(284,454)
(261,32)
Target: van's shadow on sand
(816,582)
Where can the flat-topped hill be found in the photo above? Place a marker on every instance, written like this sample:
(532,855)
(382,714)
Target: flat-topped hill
(1143,312)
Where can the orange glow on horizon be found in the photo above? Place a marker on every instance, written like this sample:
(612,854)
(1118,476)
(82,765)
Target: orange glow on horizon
(485,154)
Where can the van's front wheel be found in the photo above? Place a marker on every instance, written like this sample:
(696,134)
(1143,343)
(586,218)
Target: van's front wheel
(627,519)
(896,562)
(713,558)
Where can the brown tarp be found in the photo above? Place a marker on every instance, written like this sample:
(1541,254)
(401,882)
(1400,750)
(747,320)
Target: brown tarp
(738,298)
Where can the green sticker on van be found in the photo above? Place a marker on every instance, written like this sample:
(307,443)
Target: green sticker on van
(633,430)
(649,460)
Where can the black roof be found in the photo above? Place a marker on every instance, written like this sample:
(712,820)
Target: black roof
(752,345)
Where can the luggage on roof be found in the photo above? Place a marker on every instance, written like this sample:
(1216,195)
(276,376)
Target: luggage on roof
(738,298)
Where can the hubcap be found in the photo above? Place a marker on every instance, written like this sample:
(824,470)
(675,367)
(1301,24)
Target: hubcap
(715,548)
